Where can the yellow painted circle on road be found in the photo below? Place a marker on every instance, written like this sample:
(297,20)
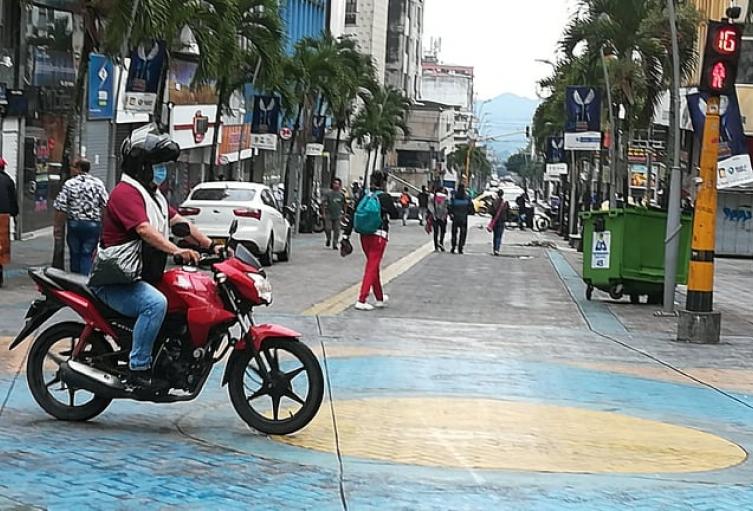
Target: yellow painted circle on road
(505,435)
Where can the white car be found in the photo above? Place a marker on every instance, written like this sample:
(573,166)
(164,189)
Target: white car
(262,229)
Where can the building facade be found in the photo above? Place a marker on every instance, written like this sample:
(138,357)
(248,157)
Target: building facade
(405,27)
(452,86)
(366,22)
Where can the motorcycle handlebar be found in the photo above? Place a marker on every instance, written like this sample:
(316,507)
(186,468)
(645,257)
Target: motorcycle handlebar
(207,258)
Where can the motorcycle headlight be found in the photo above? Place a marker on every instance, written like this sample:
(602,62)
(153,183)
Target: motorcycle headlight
(263,286)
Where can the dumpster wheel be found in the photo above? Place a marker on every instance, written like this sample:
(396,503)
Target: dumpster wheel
(616,292)
(589,292)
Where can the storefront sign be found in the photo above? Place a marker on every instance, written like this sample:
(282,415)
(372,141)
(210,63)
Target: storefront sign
(264,141)
(556,169)
(314,149)
(144,76)
(101,101)
(587,141)
(236,142)
(192,125)
(735,171)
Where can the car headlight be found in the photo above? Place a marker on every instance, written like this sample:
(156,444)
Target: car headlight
(263,286)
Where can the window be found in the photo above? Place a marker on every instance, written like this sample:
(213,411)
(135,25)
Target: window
(224,194)
(351,12)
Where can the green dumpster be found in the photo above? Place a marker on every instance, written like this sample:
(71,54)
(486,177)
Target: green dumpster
(623,253)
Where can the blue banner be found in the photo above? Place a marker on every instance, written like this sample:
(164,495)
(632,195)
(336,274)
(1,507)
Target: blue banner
(583,105)
(555,150)
(318,128)
(731,135)
(101,103)
(266,115)
(145,76)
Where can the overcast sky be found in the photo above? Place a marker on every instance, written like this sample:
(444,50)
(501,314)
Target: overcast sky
(500,38)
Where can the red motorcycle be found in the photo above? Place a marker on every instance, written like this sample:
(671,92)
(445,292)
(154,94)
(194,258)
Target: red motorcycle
(75,369)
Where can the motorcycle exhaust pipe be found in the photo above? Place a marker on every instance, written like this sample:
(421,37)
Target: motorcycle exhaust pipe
(82,376)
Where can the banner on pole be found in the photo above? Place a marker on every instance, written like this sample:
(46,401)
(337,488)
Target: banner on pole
(266,115)
(145,76)
(734,166)
(583,119)
(555,149)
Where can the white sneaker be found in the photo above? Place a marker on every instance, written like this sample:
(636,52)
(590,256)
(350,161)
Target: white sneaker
(382,304)
(364,306)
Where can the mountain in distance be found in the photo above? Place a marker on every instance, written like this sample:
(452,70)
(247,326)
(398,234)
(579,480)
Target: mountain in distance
(505,114)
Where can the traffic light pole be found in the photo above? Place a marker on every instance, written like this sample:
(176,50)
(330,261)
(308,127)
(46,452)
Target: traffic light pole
(698,323)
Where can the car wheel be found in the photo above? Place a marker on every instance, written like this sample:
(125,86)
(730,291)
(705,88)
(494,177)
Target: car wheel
(267,258)
(286,254)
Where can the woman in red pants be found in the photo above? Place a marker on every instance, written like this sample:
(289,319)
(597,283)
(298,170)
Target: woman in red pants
(373,245)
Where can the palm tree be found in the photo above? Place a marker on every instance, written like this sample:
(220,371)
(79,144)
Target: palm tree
(309,75)
(380,121)
(634,34)
(250,51)
(357,80)
(480,166)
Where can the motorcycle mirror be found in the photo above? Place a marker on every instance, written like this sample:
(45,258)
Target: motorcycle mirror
(181,230)
(233,228)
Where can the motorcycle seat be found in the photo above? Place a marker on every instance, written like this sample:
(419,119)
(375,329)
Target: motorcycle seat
(79,284)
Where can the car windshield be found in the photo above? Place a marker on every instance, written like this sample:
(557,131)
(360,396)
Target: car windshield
(224,194)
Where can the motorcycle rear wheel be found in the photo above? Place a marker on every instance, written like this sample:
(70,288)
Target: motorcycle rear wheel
(247,388)
(45,354)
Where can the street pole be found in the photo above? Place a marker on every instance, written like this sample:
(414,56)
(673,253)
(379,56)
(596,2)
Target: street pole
(612,131)
(672,239)
(698,323)
(574,179)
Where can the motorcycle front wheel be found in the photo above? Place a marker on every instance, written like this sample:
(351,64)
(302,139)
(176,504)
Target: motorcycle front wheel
(286,397)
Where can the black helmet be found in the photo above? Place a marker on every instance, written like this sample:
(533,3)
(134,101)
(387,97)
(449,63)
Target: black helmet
(145,147)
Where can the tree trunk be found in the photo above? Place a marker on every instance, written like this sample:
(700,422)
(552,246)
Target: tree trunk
(335,160)
(366,172)
(296,127)
(58,248)
(216,135)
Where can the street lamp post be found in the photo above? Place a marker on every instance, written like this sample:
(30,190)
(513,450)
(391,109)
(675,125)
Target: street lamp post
(672,239)
(612,135)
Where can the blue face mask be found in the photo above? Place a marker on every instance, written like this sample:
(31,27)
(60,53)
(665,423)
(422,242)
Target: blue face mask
(159,173)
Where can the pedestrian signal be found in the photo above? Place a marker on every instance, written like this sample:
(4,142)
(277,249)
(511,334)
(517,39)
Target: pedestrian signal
(720,58)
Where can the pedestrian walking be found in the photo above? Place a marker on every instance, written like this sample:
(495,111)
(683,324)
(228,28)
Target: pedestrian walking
(333,206)
(423,205)
(460,207)
(522,203)
(439,212)
(8,208)
(405,202)
(81,201)
(500,211)
(371,220)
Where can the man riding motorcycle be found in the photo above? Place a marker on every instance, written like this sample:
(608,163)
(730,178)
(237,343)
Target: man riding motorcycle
(137,209)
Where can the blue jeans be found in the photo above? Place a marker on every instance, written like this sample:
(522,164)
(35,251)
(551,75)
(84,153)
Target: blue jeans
(83,236)
(498,234)
(145,303)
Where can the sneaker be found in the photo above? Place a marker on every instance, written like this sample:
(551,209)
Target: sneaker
(335,247)
(363,306)
(441,248)
(452,250)
(460,251)
(383,302)
(496,252)
(326,244)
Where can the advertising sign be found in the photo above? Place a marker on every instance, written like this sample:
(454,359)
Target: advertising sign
(583,119)
(144,76)
(600,250)
(314,149)
(264,141)
(101,103)
(734,167)
(266,115)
